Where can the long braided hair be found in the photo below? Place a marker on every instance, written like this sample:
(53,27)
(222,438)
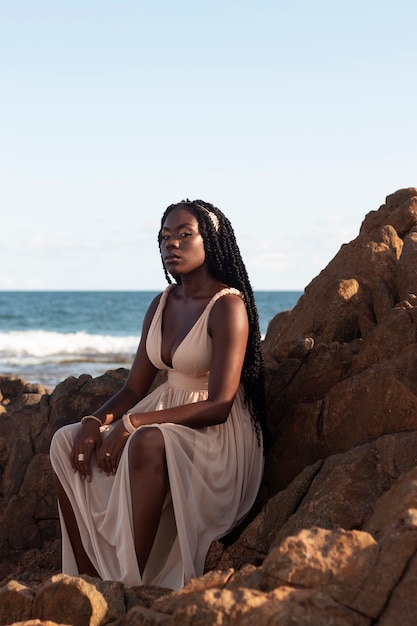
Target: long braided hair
(225,263)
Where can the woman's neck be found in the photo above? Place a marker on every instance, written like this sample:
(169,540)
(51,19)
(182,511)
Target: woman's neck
(199,287)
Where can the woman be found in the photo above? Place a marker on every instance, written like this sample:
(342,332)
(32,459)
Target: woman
(151,479)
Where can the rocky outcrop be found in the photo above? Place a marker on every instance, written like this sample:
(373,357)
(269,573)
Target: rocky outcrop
(333,537)
(29,526)
(338,546)
(342,365)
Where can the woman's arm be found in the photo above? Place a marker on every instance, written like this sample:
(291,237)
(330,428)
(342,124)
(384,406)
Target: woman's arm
(140,378)
(136,387)
(229,328)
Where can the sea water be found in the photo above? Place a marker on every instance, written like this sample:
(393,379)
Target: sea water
(47,336)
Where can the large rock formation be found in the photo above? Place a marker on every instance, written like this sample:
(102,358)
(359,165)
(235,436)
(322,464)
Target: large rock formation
(333,537)
(342,365)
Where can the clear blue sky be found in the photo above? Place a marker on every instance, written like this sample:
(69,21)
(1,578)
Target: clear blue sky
(295,118)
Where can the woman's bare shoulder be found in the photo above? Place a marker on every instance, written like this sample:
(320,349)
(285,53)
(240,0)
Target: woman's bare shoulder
(228,309)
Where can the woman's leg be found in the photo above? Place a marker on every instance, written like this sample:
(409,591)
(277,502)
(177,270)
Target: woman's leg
(83,562)
(149,484)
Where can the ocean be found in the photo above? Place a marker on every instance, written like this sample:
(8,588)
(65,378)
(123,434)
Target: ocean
(48,336)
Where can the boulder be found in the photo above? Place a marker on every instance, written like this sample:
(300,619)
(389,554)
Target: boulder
(16,602)
(74,600)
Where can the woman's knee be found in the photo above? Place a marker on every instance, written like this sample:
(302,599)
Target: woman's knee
(147,448)
(61,442)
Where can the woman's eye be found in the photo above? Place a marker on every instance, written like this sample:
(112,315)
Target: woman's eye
(185,234)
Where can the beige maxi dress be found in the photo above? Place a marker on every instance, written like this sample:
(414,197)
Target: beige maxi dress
(214,475)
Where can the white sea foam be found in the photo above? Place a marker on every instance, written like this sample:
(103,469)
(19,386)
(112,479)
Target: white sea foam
(50,357)
(39,344)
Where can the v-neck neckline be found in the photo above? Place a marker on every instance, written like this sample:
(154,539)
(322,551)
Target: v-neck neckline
(198,320)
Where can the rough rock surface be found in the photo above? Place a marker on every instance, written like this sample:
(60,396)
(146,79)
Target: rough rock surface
(342,365)
(333,537)
(29,527)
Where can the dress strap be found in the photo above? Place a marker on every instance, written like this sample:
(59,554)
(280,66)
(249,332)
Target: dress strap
(166,293)
(223,292)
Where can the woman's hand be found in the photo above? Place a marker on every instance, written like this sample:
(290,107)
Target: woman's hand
(86,441)
(110,451)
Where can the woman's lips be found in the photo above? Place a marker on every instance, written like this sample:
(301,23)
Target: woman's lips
(171,258)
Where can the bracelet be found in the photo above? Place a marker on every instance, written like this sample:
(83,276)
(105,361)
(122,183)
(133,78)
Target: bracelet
(109,419)
(127,423)
(91,417)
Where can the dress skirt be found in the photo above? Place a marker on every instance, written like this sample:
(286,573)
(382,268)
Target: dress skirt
(214,476)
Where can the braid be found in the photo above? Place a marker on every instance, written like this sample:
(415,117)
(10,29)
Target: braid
(225,263)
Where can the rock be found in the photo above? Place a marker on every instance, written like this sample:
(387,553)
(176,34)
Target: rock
(76,397)
(143,596)
(358,379)
(32,508)
(67,599)
(16,601)
(13,388)
(394,524)
(27,490)
(243,606)
(256,539)
(37,622)
(340,492)
(114,596)
(142,616)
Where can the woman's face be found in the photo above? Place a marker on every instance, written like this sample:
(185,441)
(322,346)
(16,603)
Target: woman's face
(182,246)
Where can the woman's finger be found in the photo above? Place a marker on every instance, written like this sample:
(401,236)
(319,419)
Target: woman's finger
(81,461)
(105,460)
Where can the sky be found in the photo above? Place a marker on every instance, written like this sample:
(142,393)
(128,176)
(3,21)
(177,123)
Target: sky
(295,118)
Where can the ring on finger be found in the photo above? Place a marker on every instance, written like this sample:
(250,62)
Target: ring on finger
(80,457)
